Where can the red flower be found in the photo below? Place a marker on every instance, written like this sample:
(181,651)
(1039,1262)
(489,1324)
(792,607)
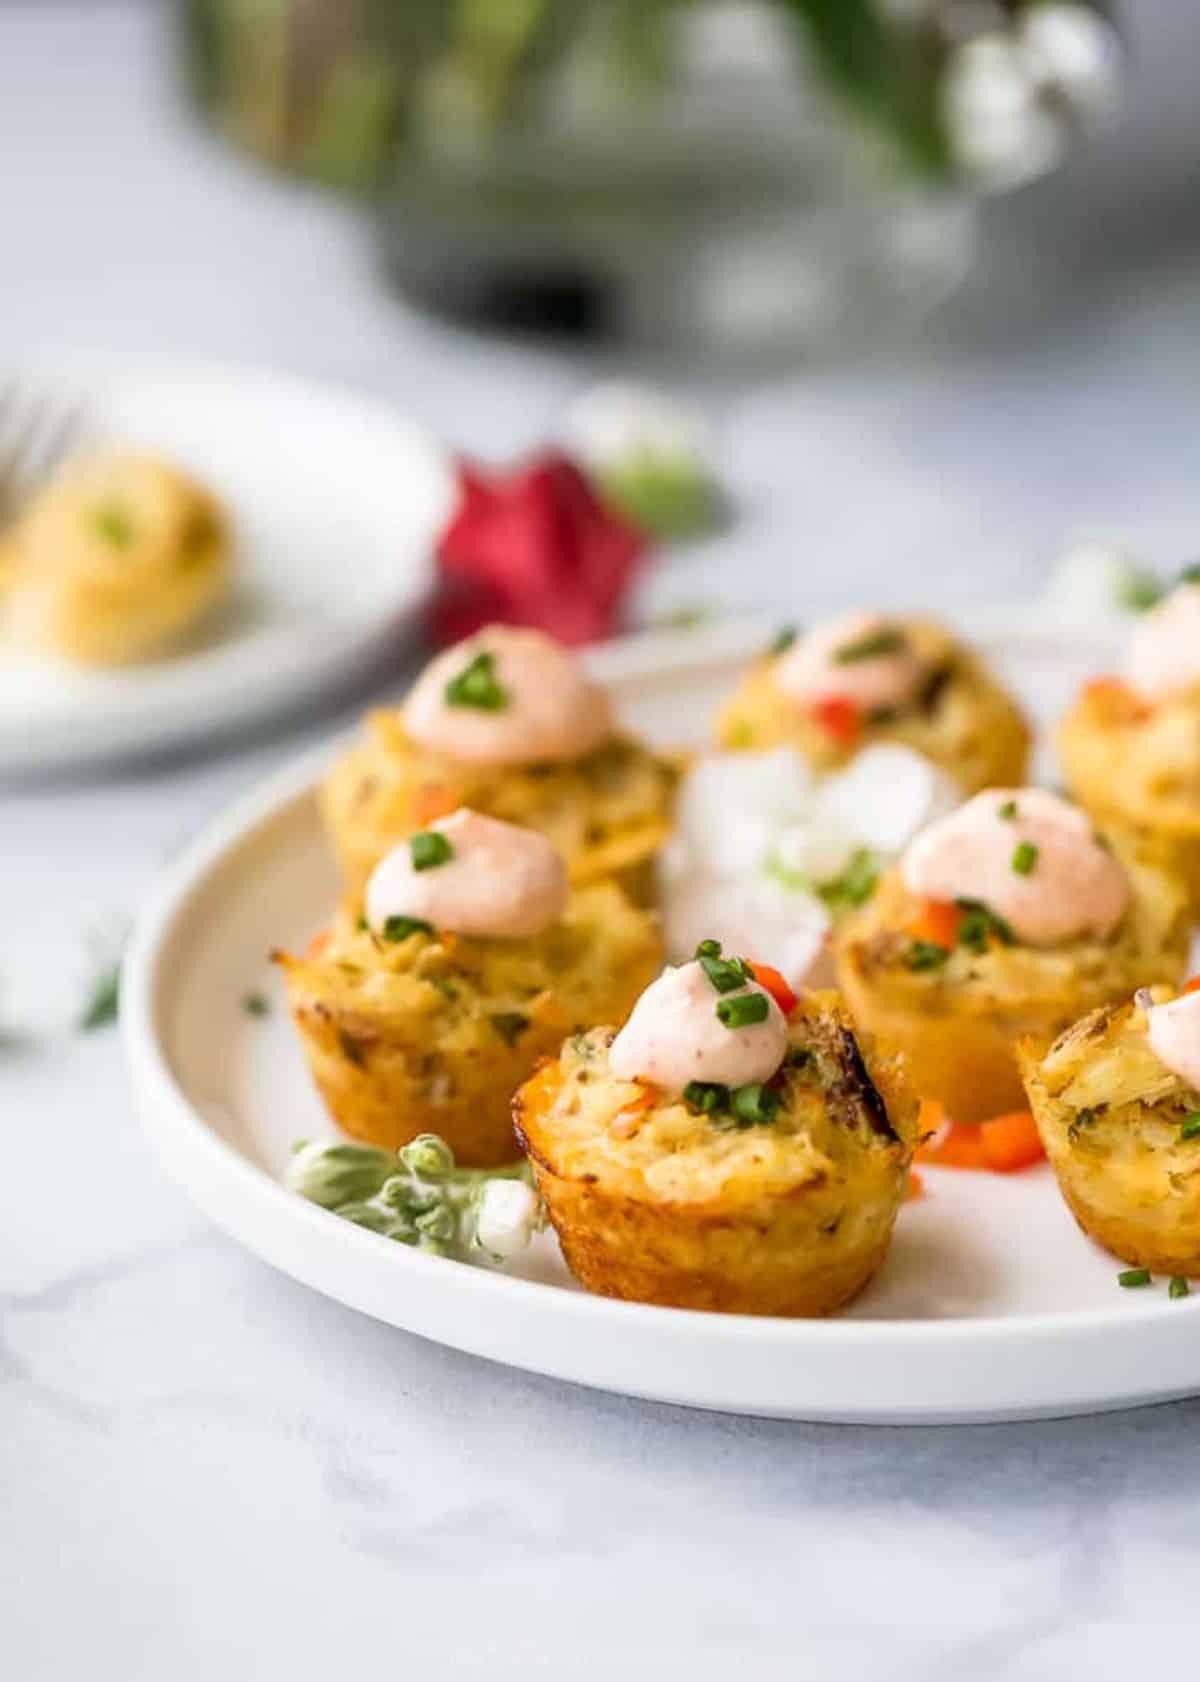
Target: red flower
(533,546)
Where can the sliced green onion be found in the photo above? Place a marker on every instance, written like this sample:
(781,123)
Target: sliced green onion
(925,954)
(1134,1278)
(1007,811)
(399,928)
(114,526)
(476,686)
(1025,857)
(887,641)
(725,974)
(1190,574)
(429,849)
(783,640)
(709,949)
(706,1096)
(1190,1126)
(256,1004)
(744,1010)
(755,1103)
(1178,1287)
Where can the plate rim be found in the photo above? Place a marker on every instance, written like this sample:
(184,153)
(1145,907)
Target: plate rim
(194,1153)
(51,746)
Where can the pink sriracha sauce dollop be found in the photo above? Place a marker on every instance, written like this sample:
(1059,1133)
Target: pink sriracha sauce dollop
(860,657)
(1030,857)
(507,697)
(1164,648)
(675,1035)
(495,879)
(1173,1030)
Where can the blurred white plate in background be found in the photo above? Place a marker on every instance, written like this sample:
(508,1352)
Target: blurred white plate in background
(334,502)
(991,1305)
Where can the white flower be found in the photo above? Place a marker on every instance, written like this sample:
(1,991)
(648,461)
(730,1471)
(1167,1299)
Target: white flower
(614,422)
(1076,50)
(509,1214)
(1094,583)
(998,128)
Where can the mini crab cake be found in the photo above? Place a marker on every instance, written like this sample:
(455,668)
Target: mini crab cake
(771,1191)
(1117,1103)
(1009,918)
(507,724)
(866,678)
(1130,747)
(115,560)
(471,962)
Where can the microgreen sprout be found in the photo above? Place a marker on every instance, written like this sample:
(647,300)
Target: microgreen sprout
(418,1196)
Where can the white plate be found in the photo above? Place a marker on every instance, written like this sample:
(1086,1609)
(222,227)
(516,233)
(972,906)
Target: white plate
(991,1305)
(334,502)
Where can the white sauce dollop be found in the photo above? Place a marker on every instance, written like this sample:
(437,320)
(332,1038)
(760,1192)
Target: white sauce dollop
(1173,1030)
(502,881)
(674,1035)
(816,667)
(1072,886)
(550,710)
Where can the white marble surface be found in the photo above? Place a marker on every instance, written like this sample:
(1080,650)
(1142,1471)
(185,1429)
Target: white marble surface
(207,1471)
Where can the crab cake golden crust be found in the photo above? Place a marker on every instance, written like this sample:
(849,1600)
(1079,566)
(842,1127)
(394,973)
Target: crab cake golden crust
(607,813)
(434,1032)
(1112,1118)
(961,718)
(116,560)
(657,1203)
(1135,765)
(956,1013)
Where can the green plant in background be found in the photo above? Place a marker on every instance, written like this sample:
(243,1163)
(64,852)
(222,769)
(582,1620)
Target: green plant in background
(330,87)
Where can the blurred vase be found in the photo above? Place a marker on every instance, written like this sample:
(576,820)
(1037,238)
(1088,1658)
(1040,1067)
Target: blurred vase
(731,175)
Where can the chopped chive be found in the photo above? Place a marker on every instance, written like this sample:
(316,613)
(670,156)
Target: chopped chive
(399,928)
(476,686)
(1133,1278)
(755,1103)
(783,640)
(744,1010)
(114,526)
(1025,857)
(979,924)
(887,641)
(706,1096)
(429,849)
(725,974)
(709,949)
(1190,1126)
(1178,1287)
(255,1004)
(1007,811)
(361,924)
(510,1025)
(925,954)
